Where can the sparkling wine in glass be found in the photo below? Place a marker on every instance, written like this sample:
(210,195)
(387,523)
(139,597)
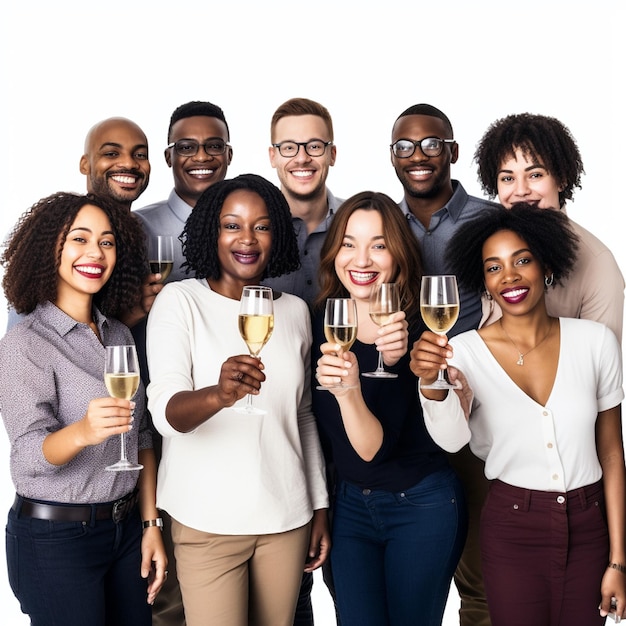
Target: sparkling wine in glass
(340,326)
(121,377)
(161,255)
(256,323)
(439,305)
(384,302)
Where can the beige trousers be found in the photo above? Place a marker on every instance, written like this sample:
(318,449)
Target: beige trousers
(239,580)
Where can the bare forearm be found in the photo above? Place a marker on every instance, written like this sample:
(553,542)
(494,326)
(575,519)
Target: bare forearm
(615,490)
(364,430)
(611,457)
(61,446)
(147,485)
(187,410)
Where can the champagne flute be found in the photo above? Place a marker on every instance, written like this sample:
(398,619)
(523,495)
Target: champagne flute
(256,323)
(161,255)
(439,304)
(384,302)
(340,326)
(121,377)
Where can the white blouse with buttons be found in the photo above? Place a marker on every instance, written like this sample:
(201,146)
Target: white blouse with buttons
(547,448)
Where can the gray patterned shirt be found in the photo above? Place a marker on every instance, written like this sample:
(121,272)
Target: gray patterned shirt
(51,366)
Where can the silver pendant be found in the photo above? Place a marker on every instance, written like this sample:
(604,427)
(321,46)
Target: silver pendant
(520,361)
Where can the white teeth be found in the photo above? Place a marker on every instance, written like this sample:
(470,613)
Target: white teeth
(302,173)
(125,180)
(86,269)
(515,293)
(204,172)
(420,172)
(363,276)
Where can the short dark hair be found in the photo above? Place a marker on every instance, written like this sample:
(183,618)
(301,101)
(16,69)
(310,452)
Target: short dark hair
(428,109)
(37,235)
(199,237)
(194,108)
(547,233)
(542,138)
(302,106)
(399,239)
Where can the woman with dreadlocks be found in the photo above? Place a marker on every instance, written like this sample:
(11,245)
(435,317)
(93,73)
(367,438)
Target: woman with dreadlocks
(246,493)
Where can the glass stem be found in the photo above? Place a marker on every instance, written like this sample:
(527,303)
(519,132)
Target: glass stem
(123,447)
(381,365)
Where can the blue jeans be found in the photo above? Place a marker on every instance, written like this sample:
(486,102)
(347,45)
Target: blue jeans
(76,573)
(394,554)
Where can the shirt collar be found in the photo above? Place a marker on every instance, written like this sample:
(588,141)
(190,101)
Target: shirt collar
(454,206)
(60,321)
(180,208)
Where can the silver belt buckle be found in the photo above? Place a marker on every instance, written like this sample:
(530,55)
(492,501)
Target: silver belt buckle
(122,507)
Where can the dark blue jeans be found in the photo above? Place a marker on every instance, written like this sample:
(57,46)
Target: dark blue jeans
(394,554)
(78,574)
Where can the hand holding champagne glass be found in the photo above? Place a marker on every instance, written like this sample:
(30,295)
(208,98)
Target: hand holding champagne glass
(121,377)
(439,305)
(340,326)
(256,323)
(384,302)
(161,255)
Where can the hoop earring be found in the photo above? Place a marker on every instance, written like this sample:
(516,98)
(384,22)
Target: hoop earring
(488,295)
(549,280)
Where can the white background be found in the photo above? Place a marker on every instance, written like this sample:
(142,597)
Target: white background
(66,65)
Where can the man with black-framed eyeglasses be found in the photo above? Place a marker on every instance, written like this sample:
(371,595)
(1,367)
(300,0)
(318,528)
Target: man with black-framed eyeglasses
(302,152)
(422,152)
(199,153)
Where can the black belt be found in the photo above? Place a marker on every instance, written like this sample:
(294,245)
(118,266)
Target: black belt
(116,511)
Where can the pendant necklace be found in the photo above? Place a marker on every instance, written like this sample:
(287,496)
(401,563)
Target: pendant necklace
(520,359)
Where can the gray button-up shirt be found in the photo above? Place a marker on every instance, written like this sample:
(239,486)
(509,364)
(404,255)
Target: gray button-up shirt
(444,223)
(304,282)
(51,367)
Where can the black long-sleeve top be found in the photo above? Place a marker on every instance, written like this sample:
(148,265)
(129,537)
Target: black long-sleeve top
(407,453)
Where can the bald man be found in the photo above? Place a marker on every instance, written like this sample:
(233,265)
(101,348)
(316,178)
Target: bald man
(115,161)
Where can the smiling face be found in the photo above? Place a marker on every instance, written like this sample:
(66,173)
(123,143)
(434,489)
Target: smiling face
(244,242)
(513,276)
(87,257)
(116,161)
(195,174)
(363,259)
(523,179)
(422,176)
(302,177)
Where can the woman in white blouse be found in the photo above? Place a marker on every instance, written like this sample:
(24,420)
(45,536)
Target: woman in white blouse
(545,417)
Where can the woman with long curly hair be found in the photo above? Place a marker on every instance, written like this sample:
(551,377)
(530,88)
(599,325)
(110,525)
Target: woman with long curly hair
(75,550)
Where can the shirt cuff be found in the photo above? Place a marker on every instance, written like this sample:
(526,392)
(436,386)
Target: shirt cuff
(446,422)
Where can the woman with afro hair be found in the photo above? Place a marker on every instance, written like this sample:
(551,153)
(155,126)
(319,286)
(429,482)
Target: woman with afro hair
(545,418)
(534,159)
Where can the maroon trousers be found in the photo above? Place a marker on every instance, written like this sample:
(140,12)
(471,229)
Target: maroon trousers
(544,555)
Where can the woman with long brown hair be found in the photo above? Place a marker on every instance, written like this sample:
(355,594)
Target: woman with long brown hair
(399,515)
